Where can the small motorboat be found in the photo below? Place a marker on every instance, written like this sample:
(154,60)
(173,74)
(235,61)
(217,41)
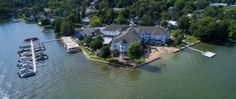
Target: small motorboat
(33,39)
(25,73)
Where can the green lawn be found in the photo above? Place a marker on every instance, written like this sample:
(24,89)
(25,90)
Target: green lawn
(86,50)
(191,39)
(93,56)
(139,61)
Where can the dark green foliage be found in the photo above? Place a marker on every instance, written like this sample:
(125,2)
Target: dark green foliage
(164,24)
(116,53)
(147,21)
(105,51)
(121,19)
(97,43)
(184,23)
(88,39)
(6,8)
(67,28)
(45,22)
(95,21)
(178,39)
(210,29)
(232,29)
(207,22)
(134,51)
(57,25)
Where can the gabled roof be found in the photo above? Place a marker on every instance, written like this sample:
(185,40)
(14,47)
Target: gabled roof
(153,30)
(129,36)
(115,27)
(90,31)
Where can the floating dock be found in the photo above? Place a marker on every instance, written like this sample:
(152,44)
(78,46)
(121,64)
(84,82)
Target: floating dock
(33,56)
(207,53)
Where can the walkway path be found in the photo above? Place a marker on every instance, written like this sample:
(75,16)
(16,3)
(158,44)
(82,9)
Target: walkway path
(33,56)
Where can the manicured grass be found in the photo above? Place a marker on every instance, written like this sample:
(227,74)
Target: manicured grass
(191,39)
(141,60)
(86,50)
(101,59)
(93,56)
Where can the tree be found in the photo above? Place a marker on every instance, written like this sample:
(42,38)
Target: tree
(97,43)
(99,39)
(134,51)
(178,39)
(176,33)
(232,29)
(120,19)
(6,8)
(201,4)
(105,51)
(88,39)
(116,53)
(95,21)
(210,29)
(165,16)
(45,22)
(83,12)
(109,16)
(67,28)
(147,21)
(184,23)
(164,23)
(57,25)
(179,5)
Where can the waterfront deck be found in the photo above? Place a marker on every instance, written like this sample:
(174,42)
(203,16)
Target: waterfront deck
(70,44)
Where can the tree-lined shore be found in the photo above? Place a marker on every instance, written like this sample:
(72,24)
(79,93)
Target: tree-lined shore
(194,17)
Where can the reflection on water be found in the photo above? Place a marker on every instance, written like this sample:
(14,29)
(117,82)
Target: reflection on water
(184,75)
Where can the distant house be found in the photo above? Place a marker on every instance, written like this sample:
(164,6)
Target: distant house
(141,34)
(85,20)
(118,9)
(114,30)
(218,4)
(172,23)
(90,10)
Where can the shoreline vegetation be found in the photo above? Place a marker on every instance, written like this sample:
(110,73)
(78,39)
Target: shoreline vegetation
(190,22)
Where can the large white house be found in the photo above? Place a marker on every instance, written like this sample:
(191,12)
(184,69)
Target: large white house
(141,34)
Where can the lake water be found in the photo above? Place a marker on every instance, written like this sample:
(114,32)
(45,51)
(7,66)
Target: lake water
(184,75)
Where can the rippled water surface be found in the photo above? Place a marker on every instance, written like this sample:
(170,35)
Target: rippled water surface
(184,75)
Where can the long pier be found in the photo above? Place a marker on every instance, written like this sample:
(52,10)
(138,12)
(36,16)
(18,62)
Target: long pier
(50,40)
(207,53)
(33,56)
(195,49)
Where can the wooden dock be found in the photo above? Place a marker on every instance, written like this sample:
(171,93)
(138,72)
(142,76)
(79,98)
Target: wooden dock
(50,40)
(33,56)
(207,53)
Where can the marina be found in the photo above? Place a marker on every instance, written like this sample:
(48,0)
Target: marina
(30,52)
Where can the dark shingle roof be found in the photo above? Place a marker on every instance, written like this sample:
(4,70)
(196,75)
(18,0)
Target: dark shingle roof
(115,27)
(154,30)
(129,36)
(90,31)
